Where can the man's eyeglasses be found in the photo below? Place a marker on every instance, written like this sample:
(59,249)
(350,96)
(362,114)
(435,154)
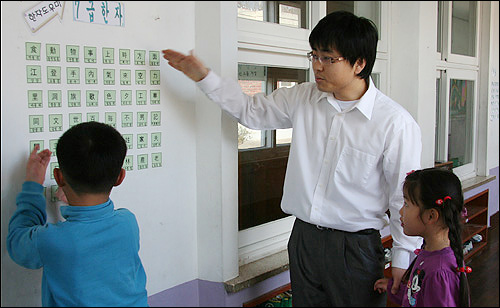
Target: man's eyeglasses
(324,60)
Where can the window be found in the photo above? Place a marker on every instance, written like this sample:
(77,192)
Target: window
(374,10)
(263,154)
(367,9)
(455,119)
(273,40)
(287,13)
(456,86)
(458,24)
(463,28)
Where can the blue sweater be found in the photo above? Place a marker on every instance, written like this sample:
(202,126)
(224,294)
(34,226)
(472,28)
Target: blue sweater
(91,259)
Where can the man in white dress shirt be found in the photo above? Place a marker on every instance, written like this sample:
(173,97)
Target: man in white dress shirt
(351,149)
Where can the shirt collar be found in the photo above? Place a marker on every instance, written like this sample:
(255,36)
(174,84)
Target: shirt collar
(87,213)
(365,104)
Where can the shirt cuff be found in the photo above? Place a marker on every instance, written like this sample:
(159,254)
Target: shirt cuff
(32,187)
(400,258)
(210,83)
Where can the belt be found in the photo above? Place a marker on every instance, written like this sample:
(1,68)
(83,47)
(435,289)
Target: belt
(364,231)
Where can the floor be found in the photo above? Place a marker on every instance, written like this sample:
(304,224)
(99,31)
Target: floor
(483,281)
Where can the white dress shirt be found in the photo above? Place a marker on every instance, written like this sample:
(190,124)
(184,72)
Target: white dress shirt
(345,167)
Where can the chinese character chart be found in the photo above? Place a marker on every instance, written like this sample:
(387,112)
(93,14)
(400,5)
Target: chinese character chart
(67,84)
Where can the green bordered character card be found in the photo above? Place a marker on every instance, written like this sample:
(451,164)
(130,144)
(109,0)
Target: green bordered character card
(156,140)
(72,53)
(127,119)
(33,51)
(126,97)
(142,161)
(156,160)
(53,52)
(36,123)
(89,54)
(109,97)
(142,141)
(35,99)
(129,140)
(128,163)
(54,98)
(74,98)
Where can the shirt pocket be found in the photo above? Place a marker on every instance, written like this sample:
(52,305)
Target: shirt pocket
(354,166)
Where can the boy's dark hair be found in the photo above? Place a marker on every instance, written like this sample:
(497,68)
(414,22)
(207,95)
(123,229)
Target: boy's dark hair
(425,187)
(352,36)
(90,156)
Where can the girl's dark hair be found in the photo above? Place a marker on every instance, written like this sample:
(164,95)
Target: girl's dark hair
(90,156)
(352,36)
(424,187)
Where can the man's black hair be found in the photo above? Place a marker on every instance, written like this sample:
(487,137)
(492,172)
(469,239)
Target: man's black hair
(90,156)
(352,36)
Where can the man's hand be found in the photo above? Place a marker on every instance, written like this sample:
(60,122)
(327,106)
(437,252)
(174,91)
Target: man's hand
(37,165)
(397,275)
(188,64)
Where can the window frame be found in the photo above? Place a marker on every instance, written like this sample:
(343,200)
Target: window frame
(272,45)
(467,170)
(271,237)
(446,23)
(454,66)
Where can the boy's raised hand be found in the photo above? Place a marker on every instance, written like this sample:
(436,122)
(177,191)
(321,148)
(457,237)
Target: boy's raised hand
(37,165)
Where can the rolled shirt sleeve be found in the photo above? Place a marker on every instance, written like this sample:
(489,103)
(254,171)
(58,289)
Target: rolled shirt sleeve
(402,156)
(25,224)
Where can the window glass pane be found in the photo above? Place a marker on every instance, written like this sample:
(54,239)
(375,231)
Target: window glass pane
(367,9)
(376,79)
(250,138)
(261,170)
(460,135)
(252,79)
(251,10)
(289,16)
(439,26)
(437,131)
(463,28)
(284,136)
(287,13)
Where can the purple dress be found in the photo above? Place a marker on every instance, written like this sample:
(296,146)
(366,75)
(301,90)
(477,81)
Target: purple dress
(434,281)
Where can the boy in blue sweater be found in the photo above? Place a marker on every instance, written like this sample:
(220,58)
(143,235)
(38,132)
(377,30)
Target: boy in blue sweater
(92,258)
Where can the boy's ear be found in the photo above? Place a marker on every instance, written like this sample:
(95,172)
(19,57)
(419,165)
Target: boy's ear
(359,65)
(58,176)
(120,178)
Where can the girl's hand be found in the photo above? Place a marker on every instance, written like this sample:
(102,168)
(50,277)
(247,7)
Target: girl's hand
(381,285)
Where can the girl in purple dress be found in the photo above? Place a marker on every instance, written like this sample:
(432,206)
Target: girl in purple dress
(432,209)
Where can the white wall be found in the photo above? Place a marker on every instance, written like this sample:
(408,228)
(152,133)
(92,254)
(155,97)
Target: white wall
(217,147)
(493,74)
(164,199)
(412,66)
